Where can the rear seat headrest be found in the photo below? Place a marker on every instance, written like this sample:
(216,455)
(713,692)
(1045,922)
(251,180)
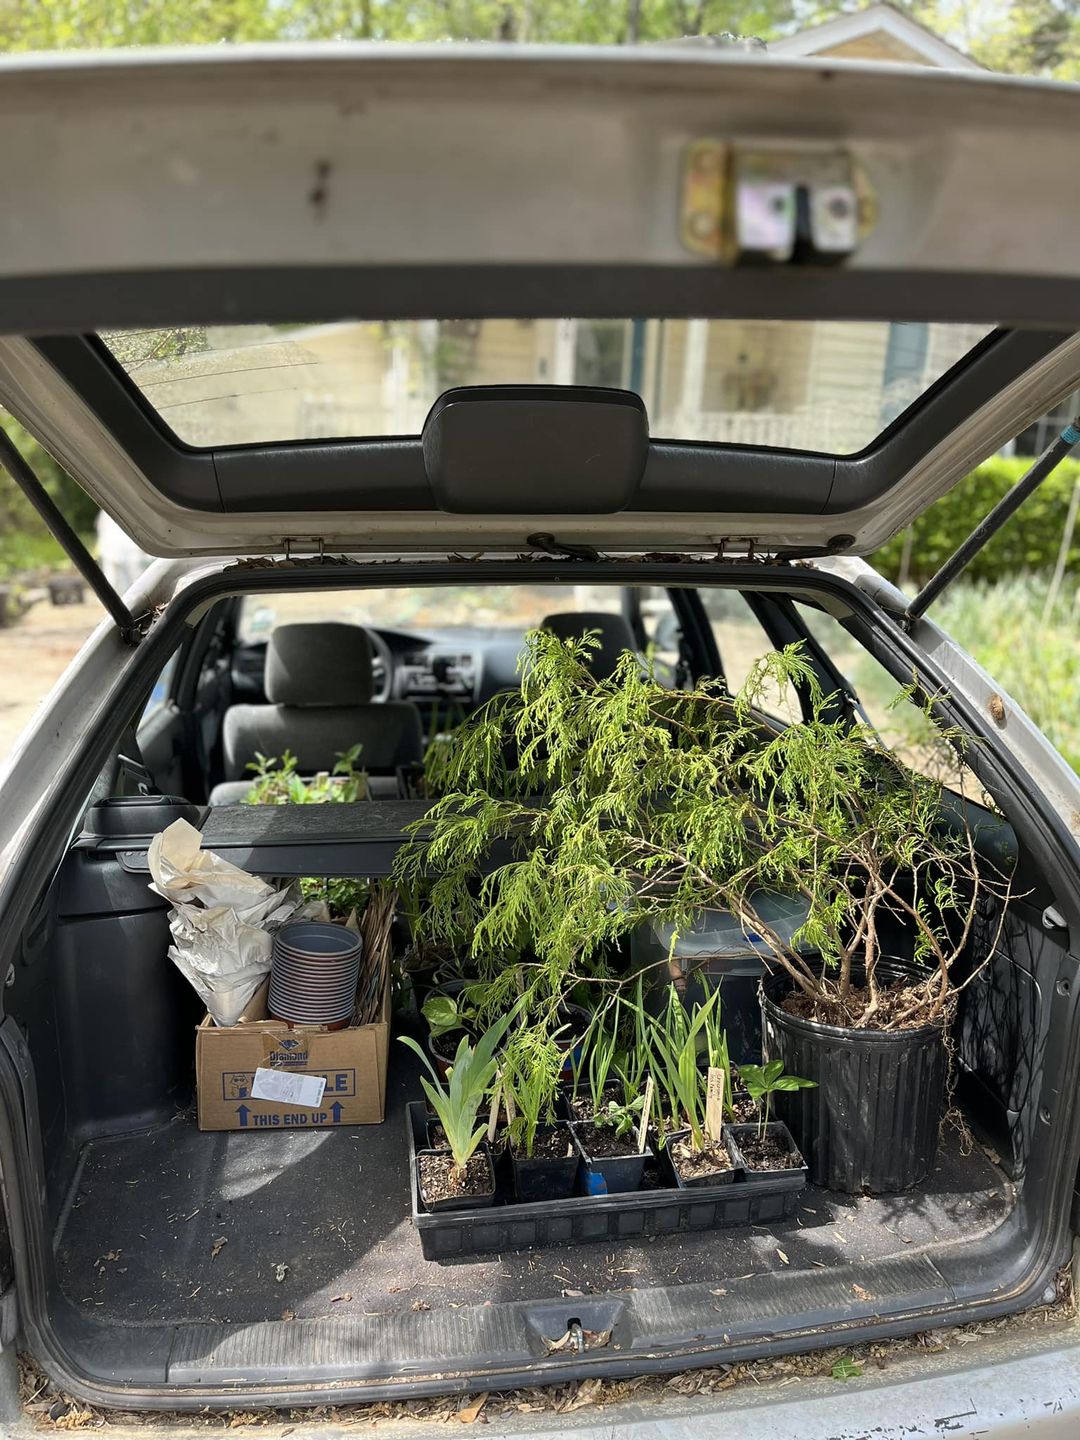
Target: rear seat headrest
(615,635)
(327,663)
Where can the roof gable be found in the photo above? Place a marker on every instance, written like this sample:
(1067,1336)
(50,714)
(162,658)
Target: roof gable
(880,32)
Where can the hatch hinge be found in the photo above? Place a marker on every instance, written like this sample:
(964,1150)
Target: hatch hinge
(131,629)
(988,527)
(311,542)
(562,549)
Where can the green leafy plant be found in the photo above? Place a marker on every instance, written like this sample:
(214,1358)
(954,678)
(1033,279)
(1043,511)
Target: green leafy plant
(341,894)
(276,782)
(531,1065)
(717,1052)
(457,1100)
(630,804)
(762,1083)
(620,1117)
(674,1046)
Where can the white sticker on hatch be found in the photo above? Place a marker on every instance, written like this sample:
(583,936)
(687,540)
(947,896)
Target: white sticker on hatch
(288,1088)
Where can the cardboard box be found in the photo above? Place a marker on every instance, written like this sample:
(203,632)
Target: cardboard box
(352,1062)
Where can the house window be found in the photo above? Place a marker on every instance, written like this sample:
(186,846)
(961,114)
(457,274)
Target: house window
(903,379)
(602,353)
(1034,440)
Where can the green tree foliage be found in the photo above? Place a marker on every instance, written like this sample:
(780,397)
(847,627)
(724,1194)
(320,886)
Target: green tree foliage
(82,24)
(1038,37)
(1028,542)
(25,543)
(630,803)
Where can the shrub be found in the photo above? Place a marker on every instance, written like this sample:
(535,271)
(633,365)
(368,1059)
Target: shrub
(1029,541)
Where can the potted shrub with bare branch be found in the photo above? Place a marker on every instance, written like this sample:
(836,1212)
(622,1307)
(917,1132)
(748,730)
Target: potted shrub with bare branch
(631,803)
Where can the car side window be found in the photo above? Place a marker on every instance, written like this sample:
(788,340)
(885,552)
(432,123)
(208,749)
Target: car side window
(742,641)
(902,726)
(662,633)
(159,695)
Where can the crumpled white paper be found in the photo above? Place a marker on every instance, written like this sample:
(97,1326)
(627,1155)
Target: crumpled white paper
(222,920)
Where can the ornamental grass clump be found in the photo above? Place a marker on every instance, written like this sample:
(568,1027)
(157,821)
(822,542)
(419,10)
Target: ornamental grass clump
(621,803)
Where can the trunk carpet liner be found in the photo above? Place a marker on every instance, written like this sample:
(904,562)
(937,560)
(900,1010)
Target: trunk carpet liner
(170,1225)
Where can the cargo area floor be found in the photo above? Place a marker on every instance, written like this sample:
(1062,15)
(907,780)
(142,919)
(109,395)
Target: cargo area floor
(171,1225)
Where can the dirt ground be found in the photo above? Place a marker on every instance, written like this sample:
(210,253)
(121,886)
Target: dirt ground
(34,653)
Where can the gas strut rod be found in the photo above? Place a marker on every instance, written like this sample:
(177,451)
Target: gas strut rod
(988,527)
(66,537)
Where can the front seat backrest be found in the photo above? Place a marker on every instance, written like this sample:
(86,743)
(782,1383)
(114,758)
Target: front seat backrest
(318,685)
(615,636)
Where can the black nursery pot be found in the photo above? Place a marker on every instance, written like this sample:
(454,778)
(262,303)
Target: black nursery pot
(736,1136)
(871,1126)
(609,1174)
(474,1200)
(545,1179)
(694,1182)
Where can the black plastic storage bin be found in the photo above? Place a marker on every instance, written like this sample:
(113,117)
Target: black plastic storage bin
(719,951)
(872,1122)
(657,1209)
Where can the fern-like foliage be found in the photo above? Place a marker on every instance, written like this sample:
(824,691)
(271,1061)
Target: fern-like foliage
(606,804)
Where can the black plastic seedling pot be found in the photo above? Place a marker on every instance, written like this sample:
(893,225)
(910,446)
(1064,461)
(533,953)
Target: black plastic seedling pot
(543,1178)
(608,1174)
(714,1177)
(735,1135)
(473,1201)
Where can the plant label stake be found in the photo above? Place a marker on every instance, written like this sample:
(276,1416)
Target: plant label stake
(645,1109)
(714,1103)
(493,1116)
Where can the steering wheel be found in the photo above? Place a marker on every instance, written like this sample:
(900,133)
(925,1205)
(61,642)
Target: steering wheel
(382,667)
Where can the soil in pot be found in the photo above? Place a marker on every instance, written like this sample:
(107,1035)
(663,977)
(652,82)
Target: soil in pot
(713,1164)
(581,1108)
(772,1152)
(443,1188)
(743,1109)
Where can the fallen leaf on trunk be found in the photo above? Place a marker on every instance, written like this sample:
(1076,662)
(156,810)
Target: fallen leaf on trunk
(218,1245)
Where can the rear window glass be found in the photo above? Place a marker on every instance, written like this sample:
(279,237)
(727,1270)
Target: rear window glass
(821,385)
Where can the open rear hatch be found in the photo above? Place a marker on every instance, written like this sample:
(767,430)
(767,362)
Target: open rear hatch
(164,1266)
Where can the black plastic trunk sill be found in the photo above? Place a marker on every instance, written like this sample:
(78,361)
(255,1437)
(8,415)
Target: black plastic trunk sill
(481,1340)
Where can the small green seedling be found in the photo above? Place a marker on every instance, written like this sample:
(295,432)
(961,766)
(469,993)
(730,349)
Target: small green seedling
(276,782)
(763,1081)
(846,1368)
(619,1119)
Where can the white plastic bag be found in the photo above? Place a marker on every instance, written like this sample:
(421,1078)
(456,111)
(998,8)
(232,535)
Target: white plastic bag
(222,920)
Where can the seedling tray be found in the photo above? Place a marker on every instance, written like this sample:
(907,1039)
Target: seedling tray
(657,1209)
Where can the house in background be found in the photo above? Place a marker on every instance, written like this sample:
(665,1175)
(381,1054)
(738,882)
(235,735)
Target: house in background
(829,386)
